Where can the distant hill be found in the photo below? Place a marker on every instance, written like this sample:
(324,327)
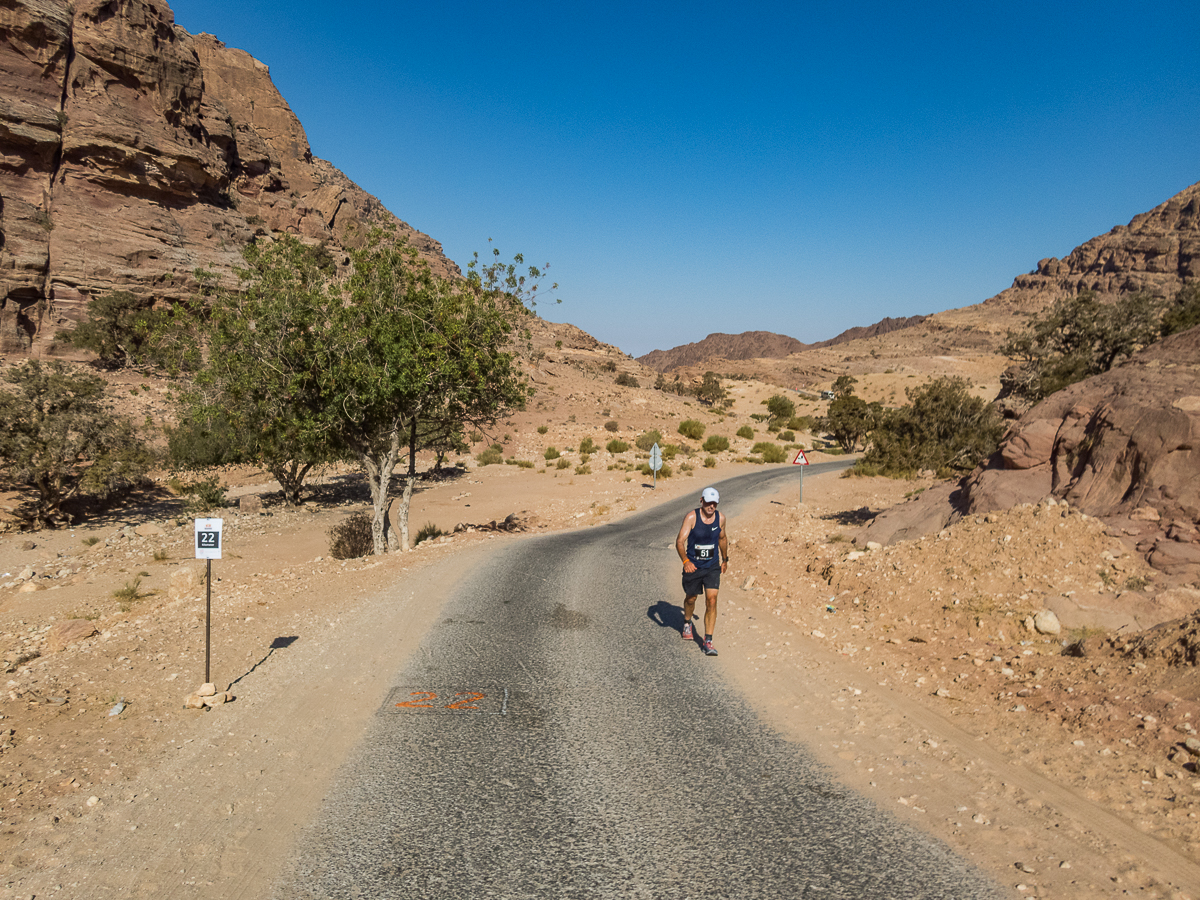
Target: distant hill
(882,327)
(761,345)
(747,345)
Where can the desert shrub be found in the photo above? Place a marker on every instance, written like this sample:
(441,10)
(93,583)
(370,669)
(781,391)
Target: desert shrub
(787,436)
(611,425)
(583,470)
(770,452)
(647,439)
(490,457)
(587,445)
(608,366)
(542,429)
(691,428)
(616,445)
(562,463)
(551,453)
(802,423)
(781,408)
(627,380)
(746,432)
(710,462)
(351,537)
(203,495)
(428,531)
(131,592)
(664,472)
(715,444)
(944,428)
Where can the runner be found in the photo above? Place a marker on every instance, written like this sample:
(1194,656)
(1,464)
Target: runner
(700,537)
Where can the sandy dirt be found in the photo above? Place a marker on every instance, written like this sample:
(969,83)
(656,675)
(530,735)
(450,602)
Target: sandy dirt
(913,671)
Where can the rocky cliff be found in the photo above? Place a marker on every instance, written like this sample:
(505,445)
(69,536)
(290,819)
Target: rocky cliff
(1156,252)
(133,153)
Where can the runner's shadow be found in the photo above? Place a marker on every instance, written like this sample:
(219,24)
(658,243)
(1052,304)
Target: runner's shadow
(666,615)
(280,643)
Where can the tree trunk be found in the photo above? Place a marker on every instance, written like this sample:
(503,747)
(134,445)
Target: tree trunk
(379,478)
(290,476)
(406,498)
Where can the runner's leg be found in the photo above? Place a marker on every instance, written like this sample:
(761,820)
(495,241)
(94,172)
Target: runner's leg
(710,611)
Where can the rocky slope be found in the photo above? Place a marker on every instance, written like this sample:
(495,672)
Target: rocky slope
(133,153)
(1157,252)
(1120,446)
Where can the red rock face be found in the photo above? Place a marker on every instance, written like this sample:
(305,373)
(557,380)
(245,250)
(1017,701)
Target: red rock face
(133,153)
(1124,446)
(1156,252)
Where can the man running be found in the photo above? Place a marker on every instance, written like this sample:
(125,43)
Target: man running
(700,536)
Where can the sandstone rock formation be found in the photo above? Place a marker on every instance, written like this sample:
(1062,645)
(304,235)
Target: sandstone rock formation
(1123,446)
(133,153)
(1156,252)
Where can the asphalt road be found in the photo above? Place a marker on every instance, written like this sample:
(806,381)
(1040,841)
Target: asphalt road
(554,737)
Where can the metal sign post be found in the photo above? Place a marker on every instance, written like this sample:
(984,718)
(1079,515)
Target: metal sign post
(655,462)
(208,547)
(801,460)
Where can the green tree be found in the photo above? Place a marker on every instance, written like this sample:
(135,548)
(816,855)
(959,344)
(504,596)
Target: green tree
(1076,338)
(710,390)
(944,428)
(407,349)
(780,408)
(844,386)
(1183,312)
(58,438)
(850,419)
(124,330)
(259,388)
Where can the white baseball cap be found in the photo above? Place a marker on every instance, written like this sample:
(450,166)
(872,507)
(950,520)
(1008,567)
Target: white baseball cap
(710,495)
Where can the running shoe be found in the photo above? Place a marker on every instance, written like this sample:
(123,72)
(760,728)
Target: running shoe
(709,649)
(687,631)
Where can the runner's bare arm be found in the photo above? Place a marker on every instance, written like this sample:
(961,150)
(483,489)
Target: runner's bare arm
(689,522)
(723,543)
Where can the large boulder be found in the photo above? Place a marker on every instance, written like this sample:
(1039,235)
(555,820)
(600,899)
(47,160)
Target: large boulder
(1122,446)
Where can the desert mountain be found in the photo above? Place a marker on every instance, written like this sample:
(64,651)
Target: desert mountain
(747,345)
(133,153)
(761,345)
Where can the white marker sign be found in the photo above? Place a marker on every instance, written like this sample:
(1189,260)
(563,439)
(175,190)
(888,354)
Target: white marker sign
(208,538)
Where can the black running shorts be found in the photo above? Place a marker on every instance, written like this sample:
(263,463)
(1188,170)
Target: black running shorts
(696,583)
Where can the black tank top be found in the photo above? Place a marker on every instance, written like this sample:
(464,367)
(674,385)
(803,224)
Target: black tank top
(702,541)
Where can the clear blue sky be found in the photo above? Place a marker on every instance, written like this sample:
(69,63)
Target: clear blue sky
(689,168)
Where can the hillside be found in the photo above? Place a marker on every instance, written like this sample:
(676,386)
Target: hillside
(133,153)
